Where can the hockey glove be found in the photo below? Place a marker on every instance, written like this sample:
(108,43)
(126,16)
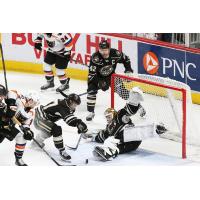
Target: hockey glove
(82,127)
(28,134)
(66,55)
(38,46)
(103,85)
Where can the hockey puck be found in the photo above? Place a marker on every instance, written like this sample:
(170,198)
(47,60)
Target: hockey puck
(86,161)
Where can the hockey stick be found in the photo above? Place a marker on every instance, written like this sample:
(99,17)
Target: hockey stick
(78,142)
(82,94)
(4,67)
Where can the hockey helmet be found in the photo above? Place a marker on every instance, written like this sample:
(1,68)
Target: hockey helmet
(32,95)
(104,44)
(74,98)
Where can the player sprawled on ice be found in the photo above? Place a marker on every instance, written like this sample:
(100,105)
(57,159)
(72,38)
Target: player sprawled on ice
(102,65)
(47,116)
(121,135)
(58,53)
(16,117)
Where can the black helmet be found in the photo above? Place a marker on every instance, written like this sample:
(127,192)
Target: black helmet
(104,44)
(74,98)
(2,90)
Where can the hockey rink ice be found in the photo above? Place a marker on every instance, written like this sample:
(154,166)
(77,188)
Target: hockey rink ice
(157,151)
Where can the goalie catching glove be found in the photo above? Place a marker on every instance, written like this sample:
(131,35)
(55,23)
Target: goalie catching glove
(108,150)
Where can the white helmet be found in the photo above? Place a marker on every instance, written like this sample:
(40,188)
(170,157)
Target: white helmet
(136,95)
(32,95)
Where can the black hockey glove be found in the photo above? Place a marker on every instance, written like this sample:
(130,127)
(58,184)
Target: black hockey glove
(66,55)
(10,112)
(129,71)
(38,46)
(28,134)
(82,127)
(103,84)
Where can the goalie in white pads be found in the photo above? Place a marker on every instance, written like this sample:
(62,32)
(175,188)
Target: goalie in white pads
(121,135)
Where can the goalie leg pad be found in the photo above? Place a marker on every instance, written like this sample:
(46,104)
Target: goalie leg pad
(128,146)
(139,132)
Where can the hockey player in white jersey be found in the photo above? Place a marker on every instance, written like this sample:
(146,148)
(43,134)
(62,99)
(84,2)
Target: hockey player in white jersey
(58,53)
(20,108)
(121,134)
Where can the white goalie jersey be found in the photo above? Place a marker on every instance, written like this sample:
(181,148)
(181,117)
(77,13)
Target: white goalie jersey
(57,42)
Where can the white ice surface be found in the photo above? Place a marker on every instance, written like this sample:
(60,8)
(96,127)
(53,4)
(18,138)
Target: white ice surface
(151,152)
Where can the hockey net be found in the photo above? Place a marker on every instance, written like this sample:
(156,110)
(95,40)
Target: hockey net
(165,100)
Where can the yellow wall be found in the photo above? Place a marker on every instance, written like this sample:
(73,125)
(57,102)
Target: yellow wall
(37,69)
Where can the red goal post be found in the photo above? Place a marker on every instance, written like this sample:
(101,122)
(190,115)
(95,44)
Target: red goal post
(138,81)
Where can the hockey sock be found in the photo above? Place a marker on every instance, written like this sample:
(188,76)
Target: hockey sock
(49,76)
(91,101)
(19,150)
(58,142)
(62,79)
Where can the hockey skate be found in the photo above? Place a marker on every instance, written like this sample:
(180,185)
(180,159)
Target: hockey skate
(64,156)
(64,86)
(101,154)
(48,85)
(20,162)
(90,116)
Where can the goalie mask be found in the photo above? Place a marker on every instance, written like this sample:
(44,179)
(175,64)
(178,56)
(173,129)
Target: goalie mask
(136,95)
(109,114)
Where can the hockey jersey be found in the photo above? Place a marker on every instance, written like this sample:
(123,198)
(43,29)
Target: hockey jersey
(57,42)
(104,67)
(57,110)
(16,102)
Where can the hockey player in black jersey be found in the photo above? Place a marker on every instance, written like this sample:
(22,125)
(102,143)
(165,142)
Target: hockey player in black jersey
(114,138)
(47,116)
(58,53)
(102,65)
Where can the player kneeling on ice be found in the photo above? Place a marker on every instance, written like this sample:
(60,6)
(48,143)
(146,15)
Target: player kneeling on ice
(47,116)
(121,135)
(19,110)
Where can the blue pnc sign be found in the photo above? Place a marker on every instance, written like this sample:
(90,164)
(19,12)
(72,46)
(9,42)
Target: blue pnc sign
(167,62)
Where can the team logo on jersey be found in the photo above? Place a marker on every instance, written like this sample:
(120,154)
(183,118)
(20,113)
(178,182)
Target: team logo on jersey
(150,63)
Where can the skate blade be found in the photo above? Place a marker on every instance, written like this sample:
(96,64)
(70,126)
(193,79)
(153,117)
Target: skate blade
(66,161)
(48,90)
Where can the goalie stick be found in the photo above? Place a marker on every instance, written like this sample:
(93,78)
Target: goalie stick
(77,144)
